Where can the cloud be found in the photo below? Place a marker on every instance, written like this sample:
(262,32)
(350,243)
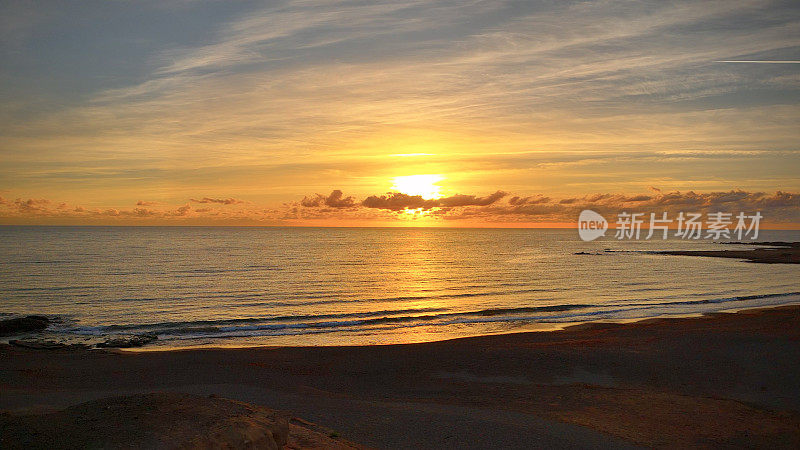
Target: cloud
(532,200)
(501,207)
(471,200)
(498,207)
(29,206)
(47,211)
(334,200)
(776,207)
(143,212)
(221,201)
(283,81)
(396,201)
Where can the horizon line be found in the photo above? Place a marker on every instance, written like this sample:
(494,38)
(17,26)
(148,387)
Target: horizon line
(565,226)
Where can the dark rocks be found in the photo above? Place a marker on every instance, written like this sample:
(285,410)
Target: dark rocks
(22,325)
(128,341)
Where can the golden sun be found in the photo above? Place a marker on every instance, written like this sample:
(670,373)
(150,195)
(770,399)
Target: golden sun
(423,185)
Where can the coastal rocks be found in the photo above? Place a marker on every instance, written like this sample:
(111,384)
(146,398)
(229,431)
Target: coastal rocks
(767,253)
(50,341)
(128,341)
(163,420)
(21,325)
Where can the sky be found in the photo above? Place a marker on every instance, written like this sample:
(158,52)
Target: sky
(435,113)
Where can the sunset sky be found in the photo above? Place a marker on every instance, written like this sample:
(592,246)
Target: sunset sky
(387,113)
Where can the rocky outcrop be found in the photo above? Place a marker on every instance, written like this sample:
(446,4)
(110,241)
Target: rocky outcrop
(128,341)
(22,325)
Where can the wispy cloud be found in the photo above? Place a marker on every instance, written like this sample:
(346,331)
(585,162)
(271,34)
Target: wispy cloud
(221,201)
(295,95)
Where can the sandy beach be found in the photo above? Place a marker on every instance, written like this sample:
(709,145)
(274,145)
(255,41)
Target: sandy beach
(720,380)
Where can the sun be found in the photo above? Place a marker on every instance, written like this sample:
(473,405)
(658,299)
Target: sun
(423,185)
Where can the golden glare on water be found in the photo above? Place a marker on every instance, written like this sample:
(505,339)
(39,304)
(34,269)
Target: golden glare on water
(423,185)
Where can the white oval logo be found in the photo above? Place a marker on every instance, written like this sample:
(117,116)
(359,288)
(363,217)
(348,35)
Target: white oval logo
(591,225)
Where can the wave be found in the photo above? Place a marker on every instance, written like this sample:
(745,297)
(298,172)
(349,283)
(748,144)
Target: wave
(385,319)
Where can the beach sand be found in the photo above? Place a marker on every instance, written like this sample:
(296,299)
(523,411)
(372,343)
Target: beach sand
(728,379)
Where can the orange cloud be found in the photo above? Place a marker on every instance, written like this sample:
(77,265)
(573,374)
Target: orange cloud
(494,209)
(335,200)
(221,201)
(397,201)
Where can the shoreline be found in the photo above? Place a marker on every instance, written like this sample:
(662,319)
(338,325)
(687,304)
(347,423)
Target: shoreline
(565,326)
(45,342)
(720,379)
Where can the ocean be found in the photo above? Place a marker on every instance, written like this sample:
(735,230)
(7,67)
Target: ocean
(215,286)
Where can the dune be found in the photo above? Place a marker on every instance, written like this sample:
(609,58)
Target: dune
(165,420)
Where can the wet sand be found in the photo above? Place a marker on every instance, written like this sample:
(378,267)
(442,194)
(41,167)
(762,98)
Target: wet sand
(719,380)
